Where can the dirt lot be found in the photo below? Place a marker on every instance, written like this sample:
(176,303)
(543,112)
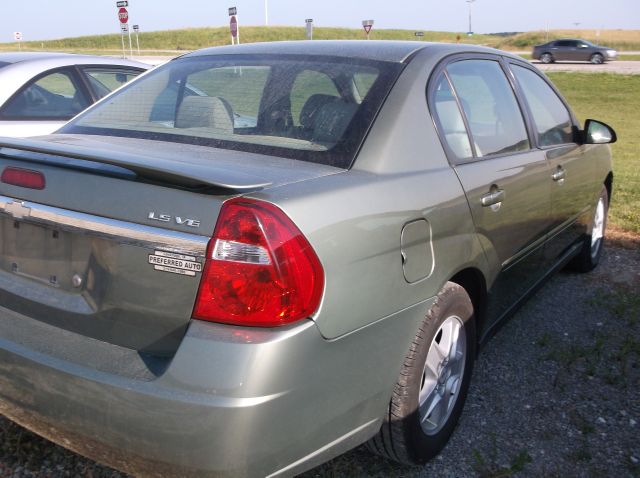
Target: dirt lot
(555,393)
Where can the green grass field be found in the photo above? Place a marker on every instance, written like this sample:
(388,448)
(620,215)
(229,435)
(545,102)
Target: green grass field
(614,99)
(194,38)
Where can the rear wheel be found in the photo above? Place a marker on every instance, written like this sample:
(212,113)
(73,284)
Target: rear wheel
(546,58)
(591,251)
(433,383)
(597,59)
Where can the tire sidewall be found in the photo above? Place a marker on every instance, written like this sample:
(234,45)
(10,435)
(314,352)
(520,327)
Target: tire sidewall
(454,301)
(594,260)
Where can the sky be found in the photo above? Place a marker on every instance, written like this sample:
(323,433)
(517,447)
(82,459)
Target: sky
(47,19)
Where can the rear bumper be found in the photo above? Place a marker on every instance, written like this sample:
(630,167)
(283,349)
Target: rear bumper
(232,402)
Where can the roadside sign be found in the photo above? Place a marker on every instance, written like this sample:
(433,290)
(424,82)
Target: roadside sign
(123,19)
(419,34)
(233,11)
(233,26)
(136,28)
(367,25)
(17,36)
(123,15)
(309,22)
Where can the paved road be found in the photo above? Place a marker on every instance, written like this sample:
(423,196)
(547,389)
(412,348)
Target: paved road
(621,67)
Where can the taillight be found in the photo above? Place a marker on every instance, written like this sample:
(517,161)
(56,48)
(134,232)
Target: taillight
(26,178)
(260,270)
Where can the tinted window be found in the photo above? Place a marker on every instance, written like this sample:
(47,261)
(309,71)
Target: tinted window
(307,84)
(54,96)
(552,119)
(450,120)
(241,89)
(490,106)
(103,80)
(249,103)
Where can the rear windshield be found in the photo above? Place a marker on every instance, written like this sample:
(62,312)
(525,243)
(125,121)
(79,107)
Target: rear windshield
(310,108)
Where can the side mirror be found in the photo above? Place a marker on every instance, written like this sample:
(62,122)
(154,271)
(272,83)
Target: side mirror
(596,132)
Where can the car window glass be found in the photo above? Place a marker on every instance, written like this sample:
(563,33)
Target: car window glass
(248,103)
(450,120)
(54,96)
(239,88)
(490,106)
(104,81)
(552,119)
(307,84)
(362,83)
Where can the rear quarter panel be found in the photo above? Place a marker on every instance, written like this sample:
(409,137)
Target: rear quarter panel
(354,220)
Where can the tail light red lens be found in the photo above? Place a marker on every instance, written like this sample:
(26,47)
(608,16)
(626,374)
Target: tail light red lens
(26,178)
(260,269)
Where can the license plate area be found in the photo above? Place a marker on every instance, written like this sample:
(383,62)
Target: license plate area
(42,253)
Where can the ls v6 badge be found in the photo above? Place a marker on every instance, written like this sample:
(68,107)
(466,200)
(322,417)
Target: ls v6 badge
(179,220)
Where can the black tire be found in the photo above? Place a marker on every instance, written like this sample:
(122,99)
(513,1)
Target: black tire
(597,59)
(547,58)
(589,256)
(401,437)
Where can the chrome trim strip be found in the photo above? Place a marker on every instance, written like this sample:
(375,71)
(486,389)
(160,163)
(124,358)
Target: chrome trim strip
(123,232)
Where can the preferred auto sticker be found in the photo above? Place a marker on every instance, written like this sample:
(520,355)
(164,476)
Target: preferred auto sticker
(175,263)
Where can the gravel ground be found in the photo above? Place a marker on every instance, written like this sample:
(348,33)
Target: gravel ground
(555,393)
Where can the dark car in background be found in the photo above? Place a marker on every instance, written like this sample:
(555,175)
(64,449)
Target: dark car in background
(573,50)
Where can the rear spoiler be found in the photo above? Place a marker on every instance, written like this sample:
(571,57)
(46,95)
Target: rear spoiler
(176,173)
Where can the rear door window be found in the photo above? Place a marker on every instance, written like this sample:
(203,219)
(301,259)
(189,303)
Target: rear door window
(104,80)
(551,118)
(490,107)
(450,121)
(56,96)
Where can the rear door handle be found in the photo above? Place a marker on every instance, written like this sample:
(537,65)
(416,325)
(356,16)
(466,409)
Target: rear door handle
(496,196)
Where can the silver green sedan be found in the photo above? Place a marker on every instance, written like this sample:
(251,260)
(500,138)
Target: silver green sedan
(257,257)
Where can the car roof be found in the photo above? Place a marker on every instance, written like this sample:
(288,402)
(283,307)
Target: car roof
(380,50)
(64,59)
(393,51)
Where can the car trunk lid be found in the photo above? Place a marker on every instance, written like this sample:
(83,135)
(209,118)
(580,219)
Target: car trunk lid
(112,248)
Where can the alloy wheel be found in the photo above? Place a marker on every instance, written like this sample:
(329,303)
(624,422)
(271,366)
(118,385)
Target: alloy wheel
(442,375)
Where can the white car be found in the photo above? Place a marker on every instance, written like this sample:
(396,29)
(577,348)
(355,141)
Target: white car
(42,91)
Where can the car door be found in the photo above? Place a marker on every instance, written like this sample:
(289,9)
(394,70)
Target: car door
(506,181)
(571,174)
(44,104)
(573,53)
(583,51)
(563,50)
